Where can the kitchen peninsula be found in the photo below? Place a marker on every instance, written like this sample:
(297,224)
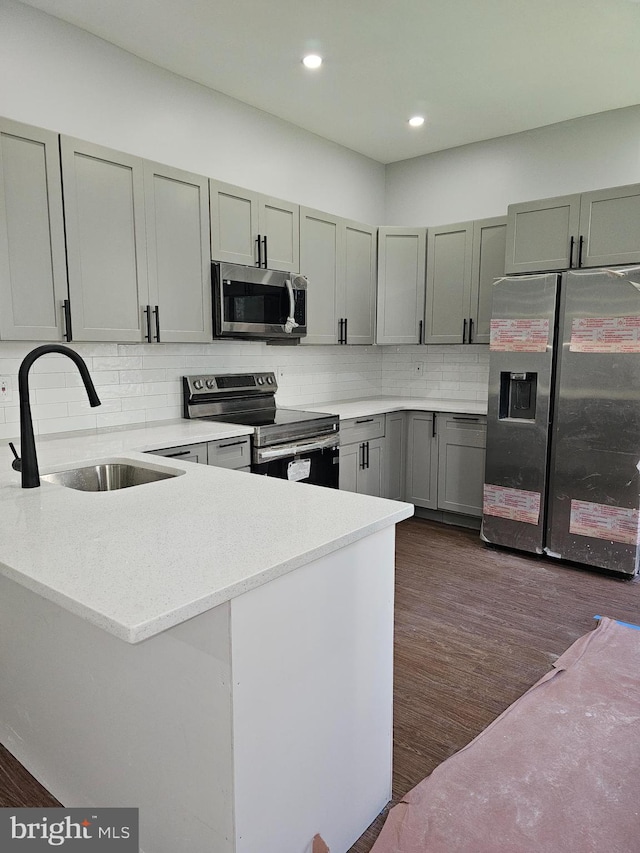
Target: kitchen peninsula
(214,648)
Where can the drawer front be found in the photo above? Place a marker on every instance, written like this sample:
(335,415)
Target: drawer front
(361,429)
(230,452)
(185,453)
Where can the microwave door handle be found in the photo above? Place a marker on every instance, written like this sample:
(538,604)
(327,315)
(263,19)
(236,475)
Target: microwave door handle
(291,324)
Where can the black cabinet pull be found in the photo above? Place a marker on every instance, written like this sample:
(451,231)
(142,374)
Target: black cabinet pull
(433,426)
(259,242)
(465,418)
(571,243)
(420,332)
(175,455)
(66,310)
(362,455)
(580,245)
(157,313)
(364,421)
(367,444)
(470,330)
(346,320)
(264,241)
(147,311)
(340,322)
(232,444)
(464,330)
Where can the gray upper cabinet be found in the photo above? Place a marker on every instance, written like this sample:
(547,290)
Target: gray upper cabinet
(33,274)
(541,234)
(360,277)
(106,245)
(449,256)
(177,229)
(599,228)
(321,261)
(610,227)
(489,244)
(339,259)
(247,228)
(401,284)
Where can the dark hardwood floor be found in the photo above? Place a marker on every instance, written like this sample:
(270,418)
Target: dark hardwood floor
(475,628)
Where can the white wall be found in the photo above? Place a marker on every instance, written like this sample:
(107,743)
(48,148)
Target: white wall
(482,179)
(57,76)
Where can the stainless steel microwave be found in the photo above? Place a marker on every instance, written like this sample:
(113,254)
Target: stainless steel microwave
(265,305)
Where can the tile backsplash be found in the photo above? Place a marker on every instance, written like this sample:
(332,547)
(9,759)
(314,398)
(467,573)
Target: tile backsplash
(140,383)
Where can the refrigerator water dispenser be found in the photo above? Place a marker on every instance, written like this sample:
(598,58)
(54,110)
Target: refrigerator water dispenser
(518,396)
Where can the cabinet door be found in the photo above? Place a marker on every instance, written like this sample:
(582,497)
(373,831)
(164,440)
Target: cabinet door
(395,456)
(321,262)
(610,226)
(539,234)
(422,460)
(230,452)
(33,272)
(449,252)
(370,477)
(234,224)
(185,453)
(177,225)
(350,460)
(360,282)
(401,283)
(106,251)
(279,223)
(489,244)
(461,453)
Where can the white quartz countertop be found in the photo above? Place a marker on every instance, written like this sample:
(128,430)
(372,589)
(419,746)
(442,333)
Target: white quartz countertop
(366,406)
(137,561)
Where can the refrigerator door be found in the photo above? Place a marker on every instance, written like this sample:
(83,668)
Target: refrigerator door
(594,487)
(521,365)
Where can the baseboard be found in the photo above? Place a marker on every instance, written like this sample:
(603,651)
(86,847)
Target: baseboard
(454,518)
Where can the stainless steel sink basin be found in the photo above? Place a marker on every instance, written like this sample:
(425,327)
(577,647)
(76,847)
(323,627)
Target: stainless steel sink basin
(108,477)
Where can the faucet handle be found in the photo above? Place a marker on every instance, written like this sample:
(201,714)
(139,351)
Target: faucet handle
(17,462)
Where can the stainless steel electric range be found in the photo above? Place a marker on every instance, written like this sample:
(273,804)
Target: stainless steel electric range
(286,443)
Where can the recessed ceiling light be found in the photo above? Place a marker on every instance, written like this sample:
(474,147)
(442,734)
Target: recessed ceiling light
(416,121)
(312,60)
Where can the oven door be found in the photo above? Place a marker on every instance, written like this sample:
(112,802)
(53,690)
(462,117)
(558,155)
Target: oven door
(257,303)
(316,461)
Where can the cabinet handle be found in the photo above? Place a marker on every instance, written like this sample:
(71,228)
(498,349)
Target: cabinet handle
(232,444)
(465,418)
(433,426)
(464,330)
(147,311)
(340,322)
(362,455)
(580,244)
(571,243)
(470,330)
(157,313)
(66,310)
(175,455)
(364,421)
(259,242)
(346,320)
(264,240)
(367,454)
(421,332)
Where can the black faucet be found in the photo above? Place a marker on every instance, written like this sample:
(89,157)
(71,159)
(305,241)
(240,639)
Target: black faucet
(27,464)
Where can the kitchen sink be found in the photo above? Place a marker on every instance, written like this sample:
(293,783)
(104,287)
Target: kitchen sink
(108,477)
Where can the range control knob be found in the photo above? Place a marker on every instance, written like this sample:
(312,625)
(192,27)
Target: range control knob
(270,380)
(198,384)
(211,383)
(260,380)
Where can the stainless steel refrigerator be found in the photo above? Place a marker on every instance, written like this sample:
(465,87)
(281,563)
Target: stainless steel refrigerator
(563,421)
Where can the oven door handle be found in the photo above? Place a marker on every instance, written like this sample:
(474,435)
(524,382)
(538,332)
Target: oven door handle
(280,451)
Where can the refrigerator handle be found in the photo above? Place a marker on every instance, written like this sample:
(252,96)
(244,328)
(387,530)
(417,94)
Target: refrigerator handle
(464,330)
(571,242)
(580,244)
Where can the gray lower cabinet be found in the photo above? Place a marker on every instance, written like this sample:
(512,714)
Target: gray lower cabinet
(33,272)
(232,453)
(362,455)
(591,229)
(186,453)
(422,460)
(461,456)
(395,457)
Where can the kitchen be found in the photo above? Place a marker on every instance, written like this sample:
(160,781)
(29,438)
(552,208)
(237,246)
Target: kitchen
(141,382)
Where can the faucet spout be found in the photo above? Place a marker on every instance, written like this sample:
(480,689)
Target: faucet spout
(27,464)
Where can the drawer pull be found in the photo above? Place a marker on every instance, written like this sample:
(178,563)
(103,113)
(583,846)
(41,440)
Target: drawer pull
(468,419)
(365,421)
(180,453)
(231,444)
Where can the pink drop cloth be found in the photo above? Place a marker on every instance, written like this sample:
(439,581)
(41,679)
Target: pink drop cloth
(557,772)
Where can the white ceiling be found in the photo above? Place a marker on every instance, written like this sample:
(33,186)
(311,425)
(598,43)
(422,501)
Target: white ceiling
(476,68)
